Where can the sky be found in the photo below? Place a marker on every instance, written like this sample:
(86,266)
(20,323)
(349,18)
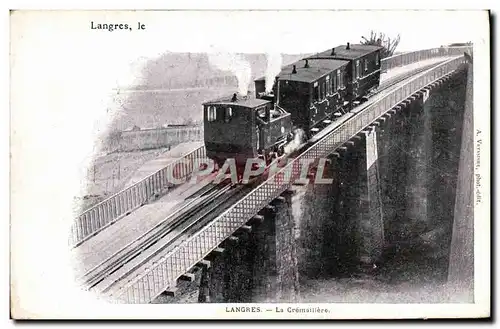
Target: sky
(66,49)
(64,43)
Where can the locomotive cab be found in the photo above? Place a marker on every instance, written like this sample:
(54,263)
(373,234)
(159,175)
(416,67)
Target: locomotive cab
(243,128)
(273,128)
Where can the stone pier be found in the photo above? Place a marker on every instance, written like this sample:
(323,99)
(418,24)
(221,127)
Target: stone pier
(275,271)
(370,216)
(258,263)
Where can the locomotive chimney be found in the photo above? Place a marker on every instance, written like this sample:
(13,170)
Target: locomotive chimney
(234,98)
(294,69)
(306,65)
(333,51)
(348,46)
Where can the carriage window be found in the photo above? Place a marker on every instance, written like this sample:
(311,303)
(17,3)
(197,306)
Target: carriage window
(261,113)
(356,69)
(316,92)
(323,91)
(334,83)
(366,64)
(328,85)
(274,114)
(229,114)
(340,83)
(377,59)
(211,113)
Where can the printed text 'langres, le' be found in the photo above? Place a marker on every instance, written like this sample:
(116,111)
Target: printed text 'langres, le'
(116,26)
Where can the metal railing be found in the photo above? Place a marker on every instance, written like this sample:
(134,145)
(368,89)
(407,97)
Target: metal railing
(99,216)
(106,212)
(163,273)
(392,62)
(153,138)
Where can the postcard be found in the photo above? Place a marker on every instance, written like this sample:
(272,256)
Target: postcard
(250,164)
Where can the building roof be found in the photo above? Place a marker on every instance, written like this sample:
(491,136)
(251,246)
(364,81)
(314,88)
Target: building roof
(241,101)
(317,69)
(354,52)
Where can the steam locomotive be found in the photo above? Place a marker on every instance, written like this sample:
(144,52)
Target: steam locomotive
(305,96)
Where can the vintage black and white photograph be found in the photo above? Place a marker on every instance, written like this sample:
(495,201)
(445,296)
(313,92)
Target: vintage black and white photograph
(266,164)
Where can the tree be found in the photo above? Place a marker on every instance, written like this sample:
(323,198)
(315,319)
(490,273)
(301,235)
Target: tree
(460,44)
(380,39)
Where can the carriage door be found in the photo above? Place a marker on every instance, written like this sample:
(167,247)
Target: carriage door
(261,120)
(357,72)
(257,138)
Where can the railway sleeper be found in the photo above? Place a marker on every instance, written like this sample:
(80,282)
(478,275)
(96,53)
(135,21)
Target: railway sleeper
(187,277)
(256,220)
(183,284)
(245,228)
(343,149)
(270,208)
(171,292)
(214,254)
(382,120)
(276,202)
(204,263)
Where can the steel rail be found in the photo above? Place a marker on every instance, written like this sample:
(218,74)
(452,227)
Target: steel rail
(128,252)
(169,268)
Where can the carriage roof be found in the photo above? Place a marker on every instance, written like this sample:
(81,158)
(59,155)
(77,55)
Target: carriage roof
(341,52)
(244,101)
(317,69)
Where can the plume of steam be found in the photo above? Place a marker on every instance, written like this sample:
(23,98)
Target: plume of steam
(299,138)
(274,62)
(235,64)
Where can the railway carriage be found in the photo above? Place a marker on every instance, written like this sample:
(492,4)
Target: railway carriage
(305,96)
(363,73)
(311,90)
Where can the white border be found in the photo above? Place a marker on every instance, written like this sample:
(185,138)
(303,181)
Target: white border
(481,258)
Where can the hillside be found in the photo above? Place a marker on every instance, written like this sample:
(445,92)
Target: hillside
(187,70)
(176,84)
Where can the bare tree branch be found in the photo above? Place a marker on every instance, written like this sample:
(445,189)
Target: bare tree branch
(380,39)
